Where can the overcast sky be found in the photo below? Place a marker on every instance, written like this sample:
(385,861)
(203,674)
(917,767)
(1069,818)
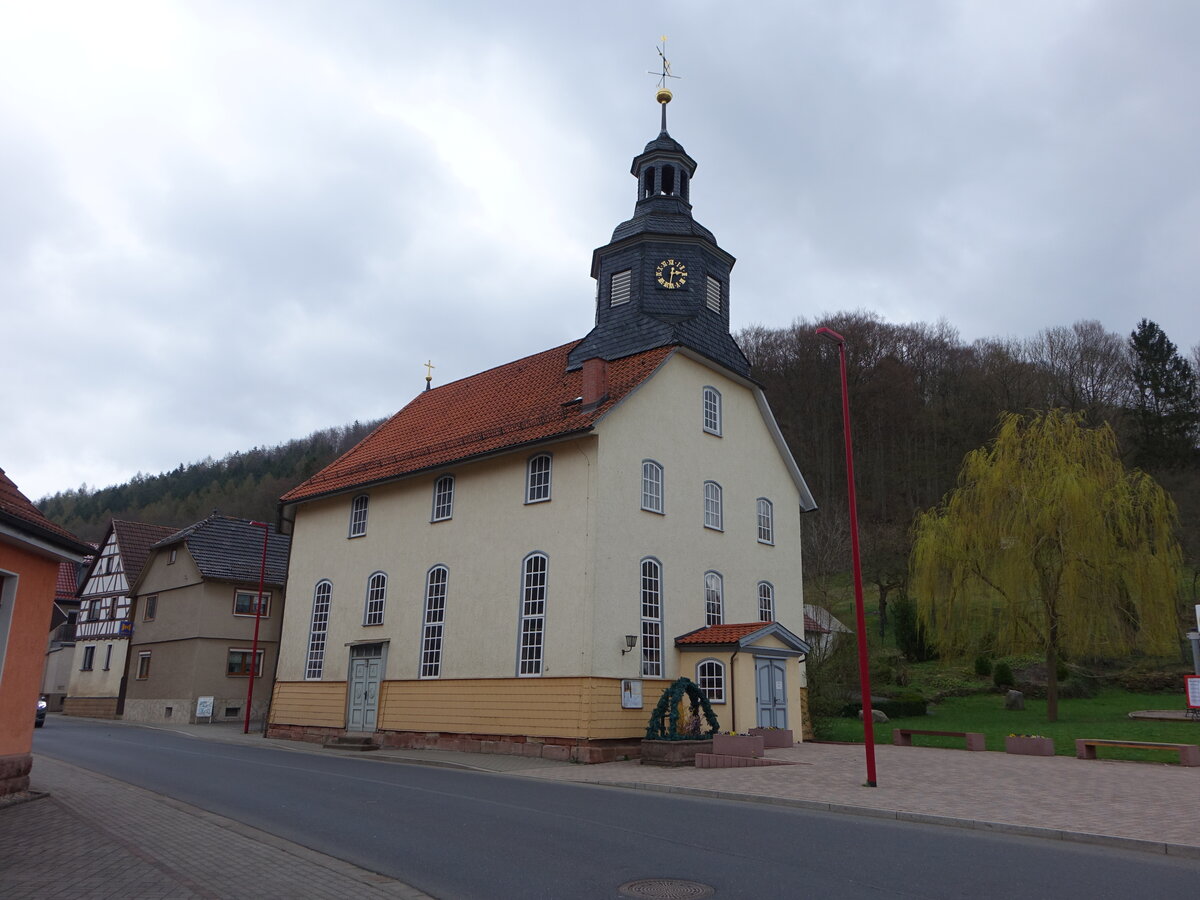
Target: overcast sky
(225,225)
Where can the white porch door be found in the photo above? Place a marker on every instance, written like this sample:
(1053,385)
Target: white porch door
(365,673)
(771,675)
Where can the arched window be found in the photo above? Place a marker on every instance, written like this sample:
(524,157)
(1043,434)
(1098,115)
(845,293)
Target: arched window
(652,486)
(714,599)
(376,599)
(533,614)
(435,621)
(710,678)
(648,182)
(537,478)
(766,521)
(317,629)
(668,180)
(652,661)
(766,601)
(713,515)
(712,411)
(443,498)
(358,515)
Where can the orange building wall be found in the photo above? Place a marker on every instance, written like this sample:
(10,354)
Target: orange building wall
(27,640)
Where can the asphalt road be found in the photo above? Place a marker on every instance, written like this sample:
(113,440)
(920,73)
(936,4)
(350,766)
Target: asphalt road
(458,834)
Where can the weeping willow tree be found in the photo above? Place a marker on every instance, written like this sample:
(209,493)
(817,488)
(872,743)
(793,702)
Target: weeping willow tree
(1049,545)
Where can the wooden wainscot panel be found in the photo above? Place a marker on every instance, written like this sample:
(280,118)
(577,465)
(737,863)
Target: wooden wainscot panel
(320,703)
(535,707)
(609,720)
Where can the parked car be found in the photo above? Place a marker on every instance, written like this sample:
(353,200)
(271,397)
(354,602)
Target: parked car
(40,719)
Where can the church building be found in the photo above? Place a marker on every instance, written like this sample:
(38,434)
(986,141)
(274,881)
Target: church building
(521,561)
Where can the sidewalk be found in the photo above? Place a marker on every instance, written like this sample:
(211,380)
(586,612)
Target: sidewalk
(1132,805)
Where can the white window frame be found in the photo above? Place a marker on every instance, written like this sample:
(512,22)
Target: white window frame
(531,643)
(620,287)
(714,507)
(359,507)
(246,651)
(375,601)
(253,595)
(710,678)
(107,657)
(766,520)
(318,630)
(652,486)
(538,478)
(652,618)
(89,658)
(150,608)
(142,672)
(433,629)
(714,598)
(711,408)
(766,601)
(712,296)
(443,499)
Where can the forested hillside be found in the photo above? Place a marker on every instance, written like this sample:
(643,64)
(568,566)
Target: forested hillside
(246,484)
(921,398)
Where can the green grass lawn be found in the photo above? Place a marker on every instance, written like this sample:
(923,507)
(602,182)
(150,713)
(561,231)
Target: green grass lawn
(1103,716)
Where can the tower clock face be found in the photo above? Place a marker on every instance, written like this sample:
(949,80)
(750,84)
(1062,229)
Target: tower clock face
(671,273)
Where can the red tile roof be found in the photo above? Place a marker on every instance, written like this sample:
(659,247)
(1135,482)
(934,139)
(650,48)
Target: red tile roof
(66,586)
(524,402)
(17,510)
(134,540)
(812,626)
(721,634)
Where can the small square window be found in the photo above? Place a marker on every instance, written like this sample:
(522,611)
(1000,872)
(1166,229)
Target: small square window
(89,659)
(171,557)
(237,665)
(143,666)
(537,479)
(245,601)
(150,610)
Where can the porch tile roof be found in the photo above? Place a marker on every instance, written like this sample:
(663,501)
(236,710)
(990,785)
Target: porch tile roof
(524,402)
(721,634)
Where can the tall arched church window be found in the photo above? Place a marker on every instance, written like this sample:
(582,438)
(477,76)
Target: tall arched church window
(533,614)
(652,661)
(714,599)
(712,411)
(317,629)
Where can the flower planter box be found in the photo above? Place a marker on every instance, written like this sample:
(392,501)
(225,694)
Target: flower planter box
(738,745)
(1029,746)
(775,737)
(673,753)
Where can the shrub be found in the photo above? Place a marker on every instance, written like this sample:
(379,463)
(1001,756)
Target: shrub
(887,667)
(983,666)
(1002,675)
(901,707)
(910,635)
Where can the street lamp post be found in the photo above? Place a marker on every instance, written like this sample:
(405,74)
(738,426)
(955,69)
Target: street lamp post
(262,577)
(864,669)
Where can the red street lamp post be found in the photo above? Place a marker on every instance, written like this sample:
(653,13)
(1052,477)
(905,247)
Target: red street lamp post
(864,670)
(262,577)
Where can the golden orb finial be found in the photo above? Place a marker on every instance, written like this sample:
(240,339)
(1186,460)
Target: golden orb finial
(663,95)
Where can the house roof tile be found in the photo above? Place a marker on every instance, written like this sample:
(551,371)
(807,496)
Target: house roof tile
(17,510)
(226,548)
(524,402)
(134,540)
(721,634)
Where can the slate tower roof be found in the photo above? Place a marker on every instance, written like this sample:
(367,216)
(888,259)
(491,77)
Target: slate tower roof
(662,280)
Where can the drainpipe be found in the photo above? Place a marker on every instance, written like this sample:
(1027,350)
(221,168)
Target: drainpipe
(732,693)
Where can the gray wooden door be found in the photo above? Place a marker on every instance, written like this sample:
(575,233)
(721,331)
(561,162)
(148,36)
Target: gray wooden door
(364,693)
(772,692)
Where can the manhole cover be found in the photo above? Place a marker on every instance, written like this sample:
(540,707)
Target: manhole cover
(665,889)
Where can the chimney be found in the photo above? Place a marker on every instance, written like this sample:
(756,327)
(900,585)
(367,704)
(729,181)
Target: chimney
(595,382)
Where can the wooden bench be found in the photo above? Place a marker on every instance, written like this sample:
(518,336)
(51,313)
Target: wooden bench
(902,737)
(1189,754)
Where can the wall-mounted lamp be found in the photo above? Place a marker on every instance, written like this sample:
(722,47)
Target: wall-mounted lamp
(630,643)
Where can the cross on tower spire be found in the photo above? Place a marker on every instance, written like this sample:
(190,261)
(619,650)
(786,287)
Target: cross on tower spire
(664,94)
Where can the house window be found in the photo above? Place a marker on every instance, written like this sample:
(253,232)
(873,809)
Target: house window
(107,657)
(714,599)
(766,601)
(713,517)
(652,486)
(143,666)
(358,515)
(245,601)
(537,479)
(151,609)
(317,630)
(89,658)
(533,614)
(710,677)
(443,498)
(435,620)
(376,598)
(652,662)
(619,287)
(171,557)
(712,411)
(237,664)
(121,608)
(766,521)
(713,294)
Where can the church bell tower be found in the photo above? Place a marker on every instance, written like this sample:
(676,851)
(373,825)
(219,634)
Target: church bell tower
(662,280)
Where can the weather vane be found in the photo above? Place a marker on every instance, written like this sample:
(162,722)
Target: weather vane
(664,94)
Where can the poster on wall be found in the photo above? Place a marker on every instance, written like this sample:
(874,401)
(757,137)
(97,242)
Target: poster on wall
(631,694)
(1193,691)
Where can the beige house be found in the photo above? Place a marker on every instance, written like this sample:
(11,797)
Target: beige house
(195,623)
(530,555)
(96,686)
